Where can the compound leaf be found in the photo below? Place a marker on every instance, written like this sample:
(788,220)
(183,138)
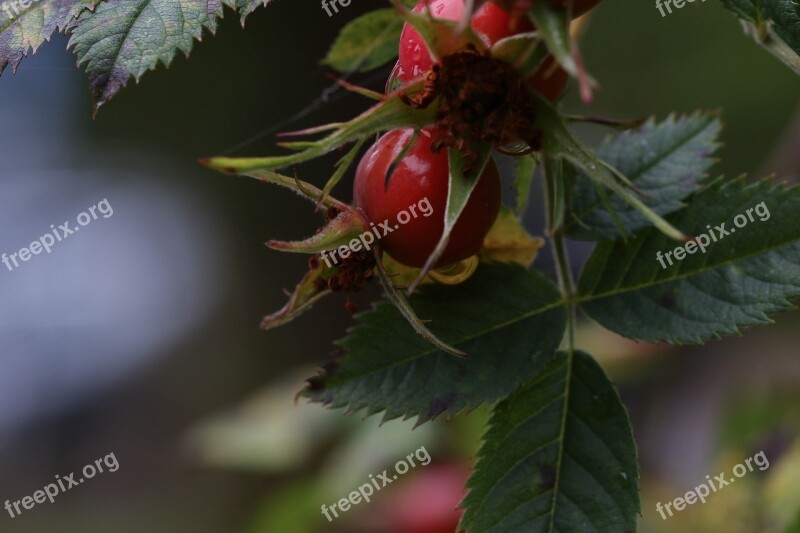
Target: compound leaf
(559,455)
(508,320)
(665,160)
(642,290)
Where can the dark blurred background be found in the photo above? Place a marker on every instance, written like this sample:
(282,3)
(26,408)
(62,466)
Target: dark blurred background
(139,335)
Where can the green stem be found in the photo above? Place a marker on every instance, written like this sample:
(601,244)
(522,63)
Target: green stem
(566,283)
(763,34)
(565,280)
(553,180)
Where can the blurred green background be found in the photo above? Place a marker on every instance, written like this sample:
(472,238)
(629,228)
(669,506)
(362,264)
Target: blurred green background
(203,424)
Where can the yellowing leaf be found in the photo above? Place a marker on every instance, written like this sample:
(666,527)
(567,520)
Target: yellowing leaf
(508,242)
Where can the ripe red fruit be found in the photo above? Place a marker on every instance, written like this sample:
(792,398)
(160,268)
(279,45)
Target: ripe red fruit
(495,23)
(492,23)
(422,174)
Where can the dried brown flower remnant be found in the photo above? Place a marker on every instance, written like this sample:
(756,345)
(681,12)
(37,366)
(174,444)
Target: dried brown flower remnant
(481,100)
(350,274)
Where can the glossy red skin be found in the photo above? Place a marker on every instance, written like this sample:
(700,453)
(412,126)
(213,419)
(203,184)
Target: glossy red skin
(492,23)
(495,23)
(421,174)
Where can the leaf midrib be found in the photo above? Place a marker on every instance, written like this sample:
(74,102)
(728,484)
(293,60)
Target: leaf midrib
(500,325)
(579,299)
(648,167)
(706,268)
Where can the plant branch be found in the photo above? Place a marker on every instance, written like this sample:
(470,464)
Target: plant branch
(553,179)
(554,200)
(764,35)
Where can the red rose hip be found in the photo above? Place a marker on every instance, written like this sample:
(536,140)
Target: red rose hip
(492,23)
(417,192)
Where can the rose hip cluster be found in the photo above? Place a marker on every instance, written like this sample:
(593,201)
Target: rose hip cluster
(478,103)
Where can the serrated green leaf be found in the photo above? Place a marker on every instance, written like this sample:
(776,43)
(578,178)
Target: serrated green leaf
(741,277)
(665,160)
(559,455)
(402,304)
(31,26)
(559,143)
(124,39)
(367,42)
(509,320)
